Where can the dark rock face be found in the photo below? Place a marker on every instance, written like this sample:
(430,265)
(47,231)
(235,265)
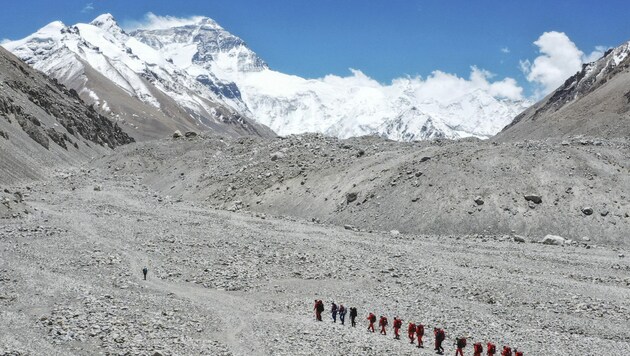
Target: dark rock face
(228,90)
(67,109)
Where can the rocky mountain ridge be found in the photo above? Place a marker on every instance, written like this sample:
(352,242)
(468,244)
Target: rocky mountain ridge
(42,122)
(593,102)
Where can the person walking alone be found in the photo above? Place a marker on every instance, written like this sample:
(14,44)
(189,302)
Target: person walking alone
(145,270)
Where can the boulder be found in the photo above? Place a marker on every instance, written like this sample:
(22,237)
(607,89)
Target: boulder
(98,188)
(587,210)
(177,134)
(536,199)
(350,197)
(277,155)
(424,159)
(190,134)
(479,200)
(394,232)
(553,240)
(518,238)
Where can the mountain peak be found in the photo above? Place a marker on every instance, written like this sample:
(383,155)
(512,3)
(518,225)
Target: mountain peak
(207,22)
(107,23)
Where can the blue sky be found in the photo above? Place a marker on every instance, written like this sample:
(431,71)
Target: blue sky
(385,39)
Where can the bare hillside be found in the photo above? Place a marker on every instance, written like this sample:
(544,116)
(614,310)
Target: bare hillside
(576,189)
(42,124)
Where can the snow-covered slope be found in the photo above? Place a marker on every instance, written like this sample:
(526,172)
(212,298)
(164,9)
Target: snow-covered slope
(91,57)
(342,107)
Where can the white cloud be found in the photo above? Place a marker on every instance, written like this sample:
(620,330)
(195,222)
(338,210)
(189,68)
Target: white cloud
(559,59)
(88,7)
(597,53)
(442,87)
(4,40)
(152,21)
(505,50)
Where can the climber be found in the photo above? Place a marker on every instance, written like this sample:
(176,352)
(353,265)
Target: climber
(411,331)
(372,319)
(383,323)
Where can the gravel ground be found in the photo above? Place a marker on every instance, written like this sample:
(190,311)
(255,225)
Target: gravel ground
(242,283)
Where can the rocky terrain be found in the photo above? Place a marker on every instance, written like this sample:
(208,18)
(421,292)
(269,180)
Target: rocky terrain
(236,283)
(521,239)
(576,188)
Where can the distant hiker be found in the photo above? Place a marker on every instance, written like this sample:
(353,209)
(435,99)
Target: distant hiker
(411,332)
(492,349)
(383,323)
(145,270)
(420,334)
(353,316)
(334,309)
(397,326)
(342,314)
(372,319)
(507,351)
(319,308)
(460,343)
(440,335)
(477,349)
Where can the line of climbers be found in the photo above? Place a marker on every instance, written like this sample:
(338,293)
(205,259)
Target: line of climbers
(415,331)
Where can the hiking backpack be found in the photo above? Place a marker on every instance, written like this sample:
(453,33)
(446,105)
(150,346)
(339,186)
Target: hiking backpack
(461,343)
(478,348)
(492,348)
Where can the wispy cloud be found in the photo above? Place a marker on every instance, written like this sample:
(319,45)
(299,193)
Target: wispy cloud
(152,21)
(88,8)
(505,50)
(4,40)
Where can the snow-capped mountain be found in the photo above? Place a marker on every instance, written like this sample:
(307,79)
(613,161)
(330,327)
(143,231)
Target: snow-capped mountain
(342,107)
(135,83)
(593,102)
(200,74)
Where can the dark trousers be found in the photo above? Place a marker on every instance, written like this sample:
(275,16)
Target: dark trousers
(352,320)
(342,318)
